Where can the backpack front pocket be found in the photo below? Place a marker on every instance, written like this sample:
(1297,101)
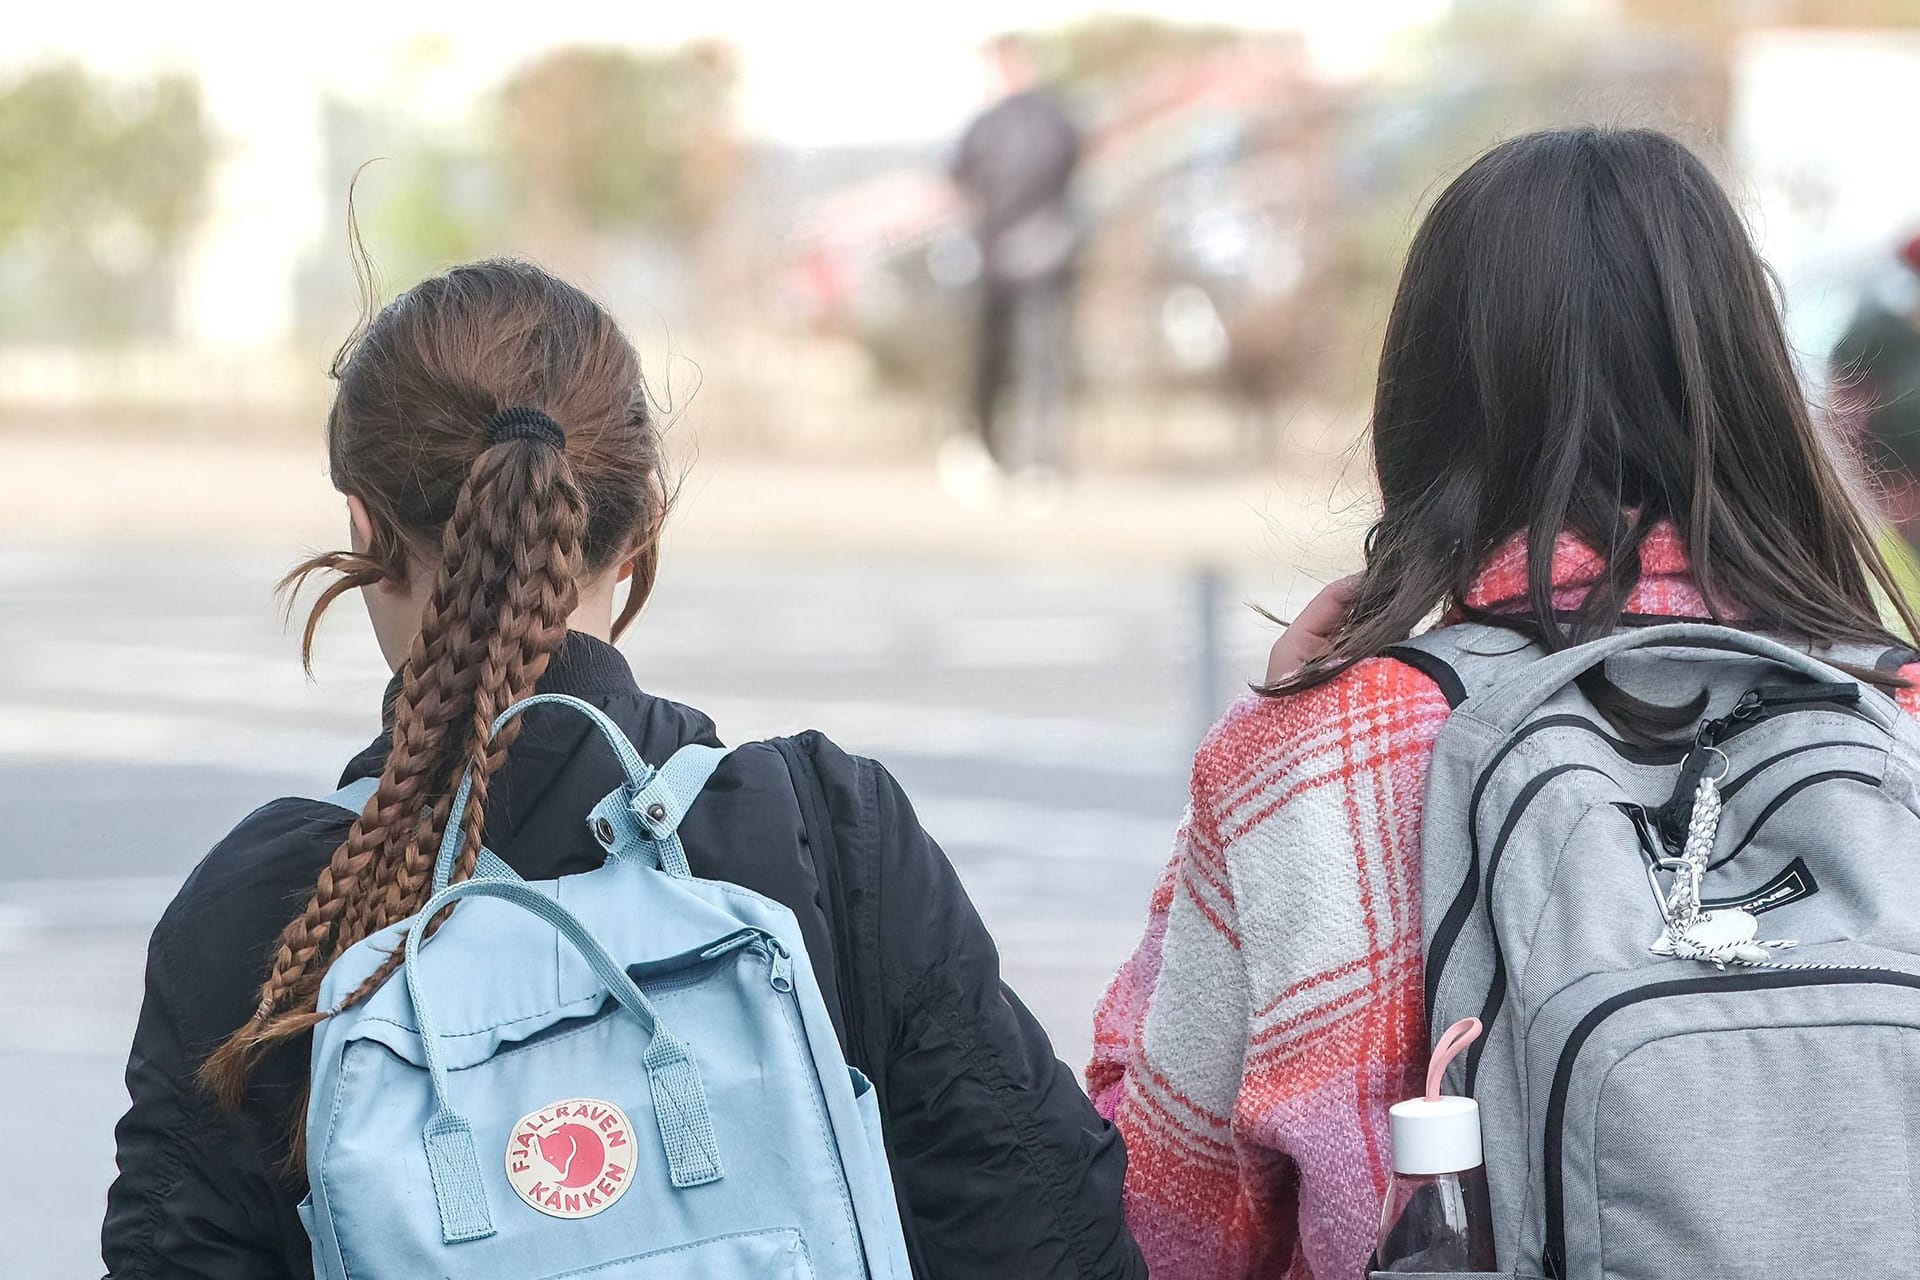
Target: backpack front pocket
(775,1255)
(1728,1126)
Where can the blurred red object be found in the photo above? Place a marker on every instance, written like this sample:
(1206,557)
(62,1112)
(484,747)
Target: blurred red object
(1910,253)
(850,229)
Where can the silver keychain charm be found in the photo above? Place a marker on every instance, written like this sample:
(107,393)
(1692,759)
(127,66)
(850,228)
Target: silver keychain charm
(1720,937)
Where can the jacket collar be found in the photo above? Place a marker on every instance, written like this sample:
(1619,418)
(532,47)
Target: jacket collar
(583,666)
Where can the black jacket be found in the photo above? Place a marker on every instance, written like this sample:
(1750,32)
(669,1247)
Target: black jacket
(1002,1167)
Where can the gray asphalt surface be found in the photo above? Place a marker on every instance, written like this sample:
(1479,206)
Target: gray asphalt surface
(1041,720)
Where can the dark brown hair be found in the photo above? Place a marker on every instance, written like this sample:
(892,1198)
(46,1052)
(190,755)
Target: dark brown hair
(1584,340)
(507,530)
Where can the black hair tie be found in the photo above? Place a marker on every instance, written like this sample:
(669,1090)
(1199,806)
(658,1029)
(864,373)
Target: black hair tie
(524,423)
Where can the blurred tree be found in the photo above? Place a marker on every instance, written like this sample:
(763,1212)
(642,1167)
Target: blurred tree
(597,140)
(1486,73)
(590,160)
(103,185)
(1108,49)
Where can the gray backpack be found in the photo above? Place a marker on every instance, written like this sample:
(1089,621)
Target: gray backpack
(1698,967)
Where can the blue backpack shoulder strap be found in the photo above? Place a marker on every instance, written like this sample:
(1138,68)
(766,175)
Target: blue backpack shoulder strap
(354,796)
(644,821)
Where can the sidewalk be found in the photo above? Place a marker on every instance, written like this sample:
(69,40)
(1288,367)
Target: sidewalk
(156,492)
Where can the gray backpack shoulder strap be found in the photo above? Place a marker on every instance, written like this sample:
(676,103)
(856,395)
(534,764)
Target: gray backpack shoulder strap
(1467,658)
(1524,693)
(1472,657)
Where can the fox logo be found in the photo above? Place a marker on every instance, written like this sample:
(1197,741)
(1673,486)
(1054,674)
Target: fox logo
(571,1159)
(575,1152)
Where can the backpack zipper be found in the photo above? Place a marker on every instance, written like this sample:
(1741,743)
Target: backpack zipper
(779,959)
(1554,1254)
(1756,705)
(1774,805)
(702,965)
(780,972)
(1763,702)
(1654,843)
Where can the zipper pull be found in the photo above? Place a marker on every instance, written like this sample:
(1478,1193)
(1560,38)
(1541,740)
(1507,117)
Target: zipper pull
(1645,826)
(781,975)
(1784,695)
(1751,706)
(1755,703)
(1675,816)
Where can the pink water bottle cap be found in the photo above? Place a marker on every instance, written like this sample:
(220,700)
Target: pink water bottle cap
(1437,1133)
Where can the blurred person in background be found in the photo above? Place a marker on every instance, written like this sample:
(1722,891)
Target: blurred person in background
(1561,452)
(504,478)
(1876,400)
(1015,167)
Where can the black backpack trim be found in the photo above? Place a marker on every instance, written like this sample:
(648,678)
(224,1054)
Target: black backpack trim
(1896,658)
(1434,669)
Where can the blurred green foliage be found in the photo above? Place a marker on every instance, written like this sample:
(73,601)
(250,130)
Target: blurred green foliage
(579,149)
(101,183)
(425,207)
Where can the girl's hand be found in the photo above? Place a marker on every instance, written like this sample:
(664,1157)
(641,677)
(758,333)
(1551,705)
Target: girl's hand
(1313,628)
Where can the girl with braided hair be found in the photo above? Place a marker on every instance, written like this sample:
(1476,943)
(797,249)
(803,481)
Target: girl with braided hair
(505,490)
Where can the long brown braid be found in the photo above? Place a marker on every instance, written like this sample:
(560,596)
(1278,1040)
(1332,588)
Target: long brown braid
(518,526)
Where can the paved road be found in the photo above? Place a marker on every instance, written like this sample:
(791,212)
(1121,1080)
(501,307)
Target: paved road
(1040,719)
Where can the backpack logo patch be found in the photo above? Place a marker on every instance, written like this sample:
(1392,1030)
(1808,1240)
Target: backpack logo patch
(571,1159)
(1791,885)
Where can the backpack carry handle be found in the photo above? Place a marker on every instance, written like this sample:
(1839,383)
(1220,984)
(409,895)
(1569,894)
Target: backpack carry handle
(1506,706)
(642,816)
(679,1096)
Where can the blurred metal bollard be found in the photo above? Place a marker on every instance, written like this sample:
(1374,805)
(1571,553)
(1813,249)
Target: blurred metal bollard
(1208,585)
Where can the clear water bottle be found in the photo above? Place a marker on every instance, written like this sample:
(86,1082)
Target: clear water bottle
(1438,1217)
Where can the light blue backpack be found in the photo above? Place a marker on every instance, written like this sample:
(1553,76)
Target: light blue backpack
(624,1075)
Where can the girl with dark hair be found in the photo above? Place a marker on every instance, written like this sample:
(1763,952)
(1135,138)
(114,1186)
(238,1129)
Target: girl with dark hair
(1586,416)
(504,478)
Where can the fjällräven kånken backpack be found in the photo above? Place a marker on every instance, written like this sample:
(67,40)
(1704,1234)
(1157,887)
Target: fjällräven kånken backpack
(627,1074)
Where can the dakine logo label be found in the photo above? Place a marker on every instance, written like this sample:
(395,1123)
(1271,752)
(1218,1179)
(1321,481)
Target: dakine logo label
(1791,885)
(571,1159)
